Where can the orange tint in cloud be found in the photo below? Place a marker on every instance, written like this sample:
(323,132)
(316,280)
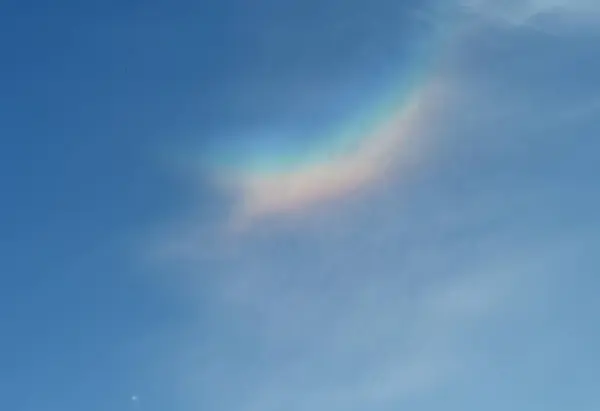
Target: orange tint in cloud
(297,191)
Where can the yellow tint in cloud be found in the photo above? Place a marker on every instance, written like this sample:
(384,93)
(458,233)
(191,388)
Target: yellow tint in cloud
(297,191)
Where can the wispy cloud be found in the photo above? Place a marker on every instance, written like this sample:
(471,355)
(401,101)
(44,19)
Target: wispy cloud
(533,13)
(369,309)
(380,299)
(391,145)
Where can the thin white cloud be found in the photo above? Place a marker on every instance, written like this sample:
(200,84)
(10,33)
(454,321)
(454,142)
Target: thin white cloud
(525,11)
(374,305)
(364,311)
(369,309)
(293,192)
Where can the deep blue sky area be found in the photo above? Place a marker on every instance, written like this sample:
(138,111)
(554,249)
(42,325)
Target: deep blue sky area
(84,101)
(466,281)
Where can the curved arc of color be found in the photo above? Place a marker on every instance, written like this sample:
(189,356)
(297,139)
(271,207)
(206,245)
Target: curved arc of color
(359,152)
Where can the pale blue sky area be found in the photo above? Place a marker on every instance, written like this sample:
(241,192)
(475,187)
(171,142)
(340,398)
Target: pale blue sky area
(467,281)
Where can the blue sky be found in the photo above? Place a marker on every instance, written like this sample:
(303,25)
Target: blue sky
(449,263)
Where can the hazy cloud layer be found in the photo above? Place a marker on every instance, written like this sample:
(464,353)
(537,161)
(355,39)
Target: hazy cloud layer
(387,299)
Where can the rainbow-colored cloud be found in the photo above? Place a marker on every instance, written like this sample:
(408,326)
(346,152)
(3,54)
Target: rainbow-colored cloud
(293,190)
(273,175)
